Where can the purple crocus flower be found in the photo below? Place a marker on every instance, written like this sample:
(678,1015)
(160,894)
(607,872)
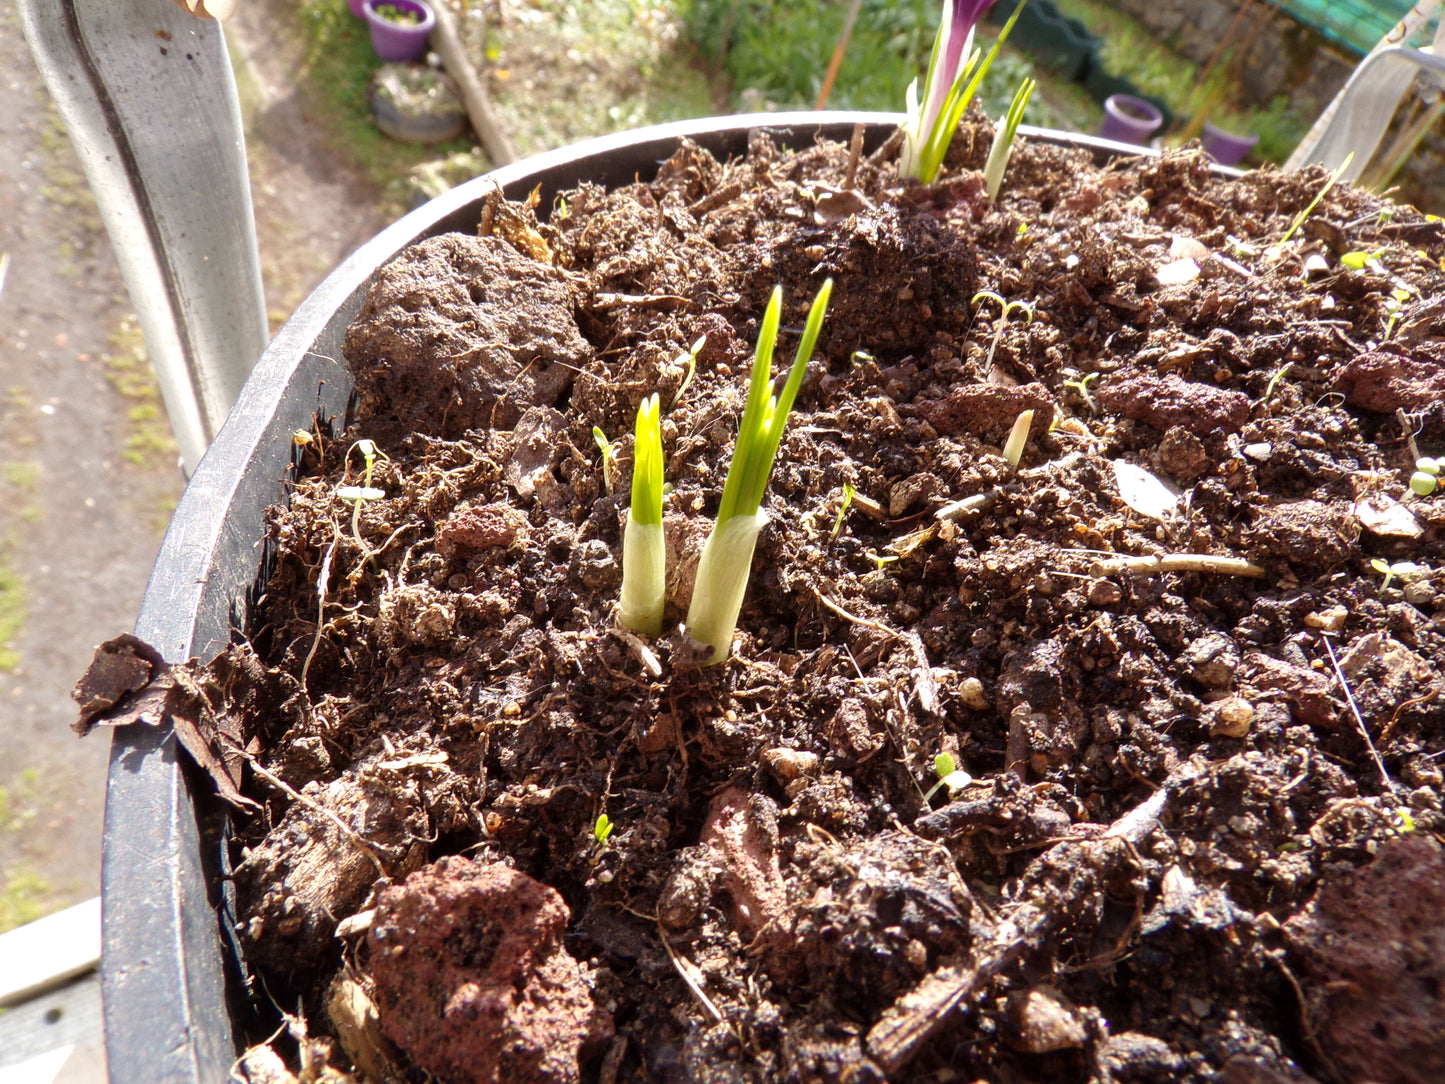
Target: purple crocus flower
(959,19)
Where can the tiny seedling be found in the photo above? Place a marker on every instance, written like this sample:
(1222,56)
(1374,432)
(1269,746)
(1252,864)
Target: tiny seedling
(727,555)
(848,492)
(954,74)
(1013,449)
(1426,478)
(602,830)
(1394,307)
(949,775)
(370,453)
(1358,261)
(1003,139)
(1405,570)
(882,560)
(690,357)
(1279,374)
(1330,183)
(1008,308)
(609,456)
(1082,387)
(644,546)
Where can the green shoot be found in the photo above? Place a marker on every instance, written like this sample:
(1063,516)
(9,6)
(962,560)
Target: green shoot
(602,830)
(609,456)
(1330,183)
(1003,139)
(848,492)
(1008,308)
(644,546)
(691,358)
(949,775)
(727,556)
(882,561)
(1013,449)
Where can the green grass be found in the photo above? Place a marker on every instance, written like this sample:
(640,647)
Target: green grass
(1132,52)
(22,897)
(339,67)
(148,438)
(776,53)
(12,615)
(573,69)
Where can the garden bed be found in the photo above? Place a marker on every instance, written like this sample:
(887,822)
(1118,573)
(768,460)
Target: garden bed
(1182,849)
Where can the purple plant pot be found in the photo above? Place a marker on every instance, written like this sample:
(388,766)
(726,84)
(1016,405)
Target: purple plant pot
(393,41)
(1227,148)
(1128,119)
(356,8)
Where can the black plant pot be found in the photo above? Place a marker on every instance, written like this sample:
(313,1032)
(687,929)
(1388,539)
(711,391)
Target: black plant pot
(167,1019)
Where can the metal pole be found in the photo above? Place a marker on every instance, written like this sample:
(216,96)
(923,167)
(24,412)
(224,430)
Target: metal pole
(147,93)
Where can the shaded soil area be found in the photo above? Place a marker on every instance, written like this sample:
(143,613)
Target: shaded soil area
(1202,726)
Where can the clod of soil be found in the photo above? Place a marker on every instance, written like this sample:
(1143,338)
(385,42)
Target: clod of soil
(472,980)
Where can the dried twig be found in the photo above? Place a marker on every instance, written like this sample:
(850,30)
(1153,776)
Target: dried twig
(1067,876)
(295,795)
(1179,562)
(1359,720)
(686,969)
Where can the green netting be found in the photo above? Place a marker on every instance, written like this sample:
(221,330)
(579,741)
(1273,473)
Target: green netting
(1356,24)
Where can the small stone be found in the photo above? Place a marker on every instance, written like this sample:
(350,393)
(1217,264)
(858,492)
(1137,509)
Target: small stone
(1331,619)
(1231,718)
(1420,592)
(1043,1020)
(972,693)
(1104,593)
(1212,661)
(789,764)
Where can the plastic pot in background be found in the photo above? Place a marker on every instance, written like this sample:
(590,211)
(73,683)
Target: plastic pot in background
(170,1005)
(357,8)
(1128,119)
(1054,39)
(1225,147)
(399,41)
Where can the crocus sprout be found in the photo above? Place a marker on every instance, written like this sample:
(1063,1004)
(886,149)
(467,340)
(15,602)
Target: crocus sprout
(1013,449)
(644,547)
(954,73)
(1003,139)
(727,555)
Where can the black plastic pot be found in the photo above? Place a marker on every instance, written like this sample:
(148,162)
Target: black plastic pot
(166,1015)
(1054,39)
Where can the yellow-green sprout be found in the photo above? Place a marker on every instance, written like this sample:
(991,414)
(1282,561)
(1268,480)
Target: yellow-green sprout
(727,556)
(644,547)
